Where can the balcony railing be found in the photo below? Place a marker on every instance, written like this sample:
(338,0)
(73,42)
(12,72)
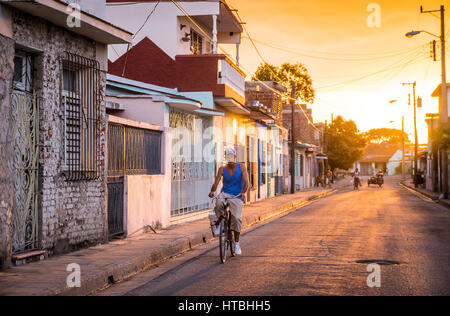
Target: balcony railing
(212,72)
(229,74)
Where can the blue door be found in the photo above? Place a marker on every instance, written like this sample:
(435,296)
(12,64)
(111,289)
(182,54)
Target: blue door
(260,167)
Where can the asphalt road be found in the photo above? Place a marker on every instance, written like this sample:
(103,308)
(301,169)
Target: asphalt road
(322,249)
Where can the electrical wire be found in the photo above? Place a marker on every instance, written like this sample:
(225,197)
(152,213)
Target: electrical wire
(267,86)
(388,68)
(299,53)
(129,46)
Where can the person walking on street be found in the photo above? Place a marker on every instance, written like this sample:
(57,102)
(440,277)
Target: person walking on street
(235,185)
(329,177)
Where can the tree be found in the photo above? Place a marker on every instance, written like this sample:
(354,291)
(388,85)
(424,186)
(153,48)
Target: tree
(385,136)
(345,144)
(285,74)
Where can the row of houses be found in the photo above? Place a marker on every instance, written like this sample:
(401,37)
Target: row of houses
(431,159)
(109,127)
(389,157)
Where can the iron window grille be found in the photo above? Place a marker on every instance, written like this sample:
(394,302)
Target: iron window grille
(196,43)
(23,71)
(133,151)
(81,107)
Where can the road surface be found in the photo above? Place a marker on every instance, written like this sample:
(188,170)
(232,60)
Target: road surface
(324,248)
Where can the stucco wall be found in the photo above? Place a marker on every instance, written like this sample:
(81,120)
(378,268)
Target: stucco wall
(147,197)
(6,185)
(72,214)
(148,202)
(164,26)
(140,109)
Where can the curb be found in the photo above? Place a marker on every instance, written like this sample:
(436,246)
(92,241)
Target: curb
(425,194)
(98,281)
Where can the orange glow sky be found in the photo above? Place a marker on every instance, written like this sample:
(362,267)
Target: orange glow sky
(331,30)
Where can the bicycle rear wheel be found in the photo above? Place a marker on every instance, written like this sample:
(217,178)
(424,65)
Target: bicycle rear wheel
(223,241)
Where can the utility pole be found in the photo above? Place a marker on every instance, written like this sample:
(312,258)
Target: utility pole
(403,148)
(416,140)
(293,137)
(325,147)
(444,107)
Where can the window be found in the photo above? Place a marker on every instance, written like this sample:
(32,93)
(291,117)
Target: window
(133,151)
(23,66)
(196,43)
(80,95)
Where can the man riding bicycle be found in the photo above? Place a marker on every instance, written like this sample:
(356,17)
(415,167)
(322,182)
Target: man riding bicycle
(357,178)
(235,185)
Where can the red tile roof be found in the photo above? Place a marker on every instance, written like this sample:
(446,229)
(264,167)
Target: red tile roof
(148,63)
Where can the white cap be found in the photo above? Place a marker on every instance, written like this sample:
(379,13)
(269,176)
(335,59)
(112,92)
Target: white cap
(230,155)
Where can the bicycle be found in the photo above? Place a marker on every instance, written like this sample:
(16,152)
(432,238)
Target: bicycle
(356,183)
(225,233)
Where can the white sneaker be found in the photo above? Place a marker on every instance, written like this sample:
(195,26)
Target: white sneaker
(237,249)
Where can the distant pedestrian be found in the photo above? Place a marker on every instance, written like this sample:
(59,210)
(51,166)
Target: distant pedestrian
(329,177)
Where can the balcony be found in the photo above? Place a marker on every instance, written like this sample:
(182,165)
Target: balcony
(215,73)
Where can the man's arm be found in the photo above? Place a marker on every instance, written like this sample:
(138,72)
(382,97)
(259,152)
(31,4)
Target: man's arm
(216,182)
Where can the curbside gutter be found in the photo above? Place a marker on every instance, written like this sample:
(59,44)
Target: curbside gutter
(102,279)
(425,195)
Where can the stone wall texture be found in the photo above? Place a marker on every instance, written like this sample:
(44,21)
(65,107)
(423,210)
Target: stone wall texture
(6,184)
(72,214)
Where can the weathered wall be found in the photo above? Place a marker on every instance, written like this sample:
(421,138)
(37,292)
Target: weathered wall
(73,214)
(6,185)
(147,197)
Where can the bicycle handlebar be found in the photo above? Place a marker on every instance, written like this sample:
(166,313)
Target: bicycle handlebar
(227,198)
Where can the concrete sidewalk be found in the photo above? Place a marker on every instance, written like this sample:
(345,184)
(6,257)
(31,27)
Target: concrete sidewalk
(430,194)
(119,260)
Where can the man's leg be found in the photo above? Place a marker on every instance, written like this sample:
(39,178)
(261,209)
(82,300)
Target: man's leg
(236,206)
(237,236)
(220,208)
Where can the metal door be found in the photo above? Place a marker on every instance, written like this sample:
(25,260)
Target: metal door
(25,214)
(115,206)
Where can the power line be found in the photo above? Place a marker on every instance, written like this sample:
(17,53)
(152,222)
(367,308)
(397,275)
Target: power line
(390,67)
(129,46)
(232,59)
(256,48)
(147,19)
(334,58)
(268,66)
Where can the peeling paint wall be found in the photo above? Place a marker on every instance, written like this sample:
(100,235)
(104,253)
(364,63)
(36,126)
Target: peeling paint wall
(72,214)
(6,185)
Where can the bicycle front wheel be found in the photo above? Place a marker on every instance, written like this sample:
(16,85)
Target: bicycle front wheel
(223,241)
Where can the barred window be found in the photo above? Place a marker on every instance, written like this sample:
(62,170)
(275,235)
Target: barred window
(80,100)
(133,151)
(196,43)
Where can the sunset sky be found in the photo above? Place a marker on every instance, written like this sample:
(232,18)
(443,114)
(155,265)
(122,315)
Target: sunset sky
(356,69)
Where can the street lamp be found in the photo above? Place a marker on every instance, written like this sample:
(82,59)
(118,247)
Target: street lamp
(414,33)
(443,111)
